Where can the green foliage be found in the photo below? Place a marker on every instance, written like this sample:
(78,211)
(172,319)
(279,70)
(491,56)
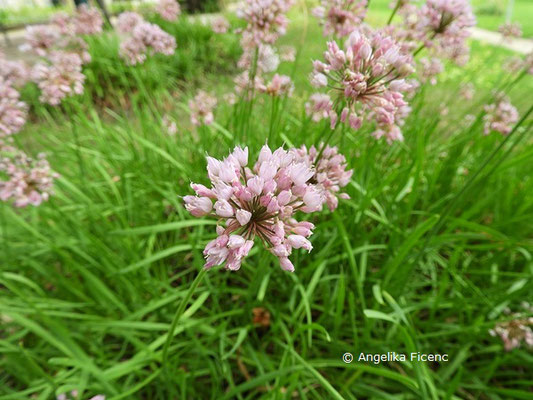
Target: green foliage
(198,53)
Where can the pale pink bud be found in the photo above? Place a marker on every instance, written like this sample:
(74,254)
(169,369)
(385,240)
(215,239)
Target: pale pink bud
(298,241)
(198,206)
(223,208)
(243,216)
(286,264)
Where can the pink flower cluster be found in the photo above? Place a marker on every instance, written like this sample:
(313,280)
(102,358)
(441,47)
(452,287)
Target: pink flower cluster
(514,332)
(500,116)
(128,20)
(168,9)
(429,69)
(220,24)
(444,26)
(266,19)
(267,59)
(169,125)
(40,39)
(262,202)
(510,30)
(87,21)
(340,17)
(76,45)
(143,37)
(28,181)
(280,85)
(43,40)
(15,73)
(287,53)
(330,171)
(202,108)
(366,78)
(13,112)
(60,78)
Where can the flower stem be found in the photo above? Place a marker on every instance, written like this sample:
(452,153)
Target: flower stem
(179,313)
(398,2)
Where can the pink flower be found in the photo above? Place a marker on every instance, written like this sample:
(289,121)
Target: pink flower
(367,77)
(40,39)
(168,9)
(444,26)
(467,91)
(88,21)
(146,37)
(220,25)
(128,20)
(59,79)
(510,30)
(259,202)
(429,69)
(15,73)
(514,332)
(330,174)
(169,125)
(279,86)
(340,17)
(76,45)
(198,206)
(63,23)
(267,59)
(287,53)
(28,181)
(266,19)
(13,112)
(500,116)
(133,51)
(320,107)
(202,108)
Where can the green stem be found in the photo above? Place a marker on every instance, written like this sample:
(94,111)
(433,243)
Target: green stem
(179,313)
(396,7)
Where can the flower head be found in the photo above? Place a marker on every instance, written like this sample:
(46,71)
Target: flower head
(258,202)
(514,332)
(266,19)
(443,25)
(330,173)
(40,39)
(168,9)
(12,111)
(23,179)
(88,21)
(340,17)
(169,125)
(128,20)
(367,78)
(287,53)
(500,116)
(280,85)
(146,37)
(510,30)
(429,69)
(202,108)
(60,78)
(15,73)
(220,24)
